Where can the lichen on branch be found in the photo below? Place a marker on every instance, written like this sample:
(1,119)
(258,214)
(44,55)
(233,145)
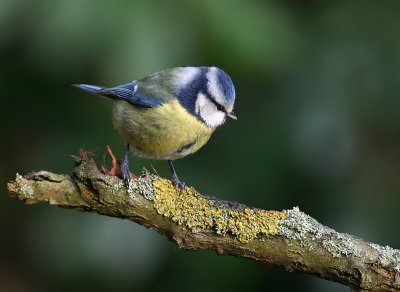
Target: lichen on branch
(289,238)
(199,213)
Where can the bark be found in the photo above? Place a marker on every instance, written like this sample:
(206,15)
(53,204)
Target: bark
(288,238)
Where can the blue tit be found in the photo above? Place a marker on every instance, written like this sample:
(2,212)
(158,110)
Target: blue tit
(169,114)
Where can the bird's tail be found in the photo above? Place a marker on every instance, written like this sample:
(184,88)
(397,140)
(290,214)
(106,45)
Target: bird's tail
(89,88)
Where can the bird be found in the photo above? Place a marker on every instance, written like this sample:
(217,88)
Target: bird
(169,114)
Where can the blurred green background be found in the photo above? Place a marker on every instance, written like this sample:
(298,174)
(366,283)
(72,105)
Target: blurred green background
(318,103)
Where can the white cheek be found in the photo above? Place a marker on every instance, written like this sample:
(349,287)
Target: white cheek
(208,112)
(215,119)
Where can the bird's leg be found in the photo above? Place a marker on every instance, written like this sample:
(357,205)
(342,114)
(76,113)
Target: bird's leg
(175,179)
(117,166)
(126,174)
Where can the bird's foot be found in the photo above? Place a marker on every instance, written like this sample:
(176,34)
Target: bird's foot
(119,169)
(176,182)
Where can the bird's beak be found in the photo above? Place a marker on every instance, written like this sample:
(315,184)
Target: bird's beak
(231,116)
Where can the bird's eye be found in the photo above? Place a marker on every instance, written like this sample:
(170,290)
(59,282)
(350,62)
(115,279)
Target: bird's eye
(220,108)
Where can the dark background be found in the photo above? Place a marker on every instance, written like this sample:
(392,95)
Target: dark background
(317,87)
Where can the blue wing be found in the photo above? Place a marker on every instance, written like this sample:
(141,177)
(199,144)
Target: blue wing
(129,92)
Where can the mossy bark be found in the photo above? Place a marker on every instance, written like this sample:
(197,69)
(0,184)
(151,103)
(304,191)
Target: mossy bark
(290,239)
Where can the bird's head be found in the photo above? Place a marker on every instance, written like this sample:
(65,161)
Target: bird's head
(208,93)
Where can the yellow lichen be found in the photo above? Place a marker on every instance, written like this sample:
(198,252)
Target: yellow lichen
(197,213)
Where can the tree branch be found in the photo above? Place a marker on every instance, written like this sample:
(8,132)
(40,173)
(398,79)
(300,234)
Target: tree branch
(290,239)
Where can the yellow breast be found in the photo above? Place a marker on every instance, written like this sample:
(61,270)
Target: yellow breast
(165,132)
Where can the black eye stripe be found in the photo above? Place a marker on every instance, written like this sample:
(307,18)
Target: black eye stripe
(219,106)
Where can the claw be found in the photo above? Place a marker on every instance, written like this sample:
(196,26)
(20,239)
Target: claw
(175,179)
(177,182)
(120,169)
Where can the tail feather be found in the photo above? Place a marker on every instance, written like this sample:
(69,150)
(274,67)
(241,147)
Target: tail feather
(128,92)
(89,88)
